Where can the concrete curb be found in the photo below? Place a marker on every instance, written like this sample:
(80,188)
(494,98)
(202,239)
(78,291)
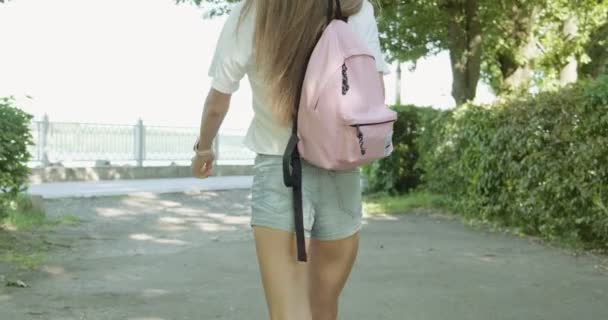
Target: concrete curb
(60,190)
(62,174)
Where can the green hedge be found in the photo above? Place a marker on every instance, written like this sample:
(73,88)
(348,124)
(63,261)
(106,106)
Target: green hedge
(398,174)
(538,164)
(15,137)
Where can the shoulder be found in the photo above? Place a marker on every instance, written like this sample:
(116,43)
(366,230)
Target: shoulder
(235,12)
(239,24)
(364,17)
(236,9)
(367,8)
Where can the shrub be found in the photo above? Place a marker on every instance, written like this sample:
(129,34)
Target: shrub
(15,137)
(537,164)
(398,174)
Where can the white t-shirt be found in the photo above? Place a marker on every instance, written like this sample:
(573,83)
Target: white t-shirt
(233,60)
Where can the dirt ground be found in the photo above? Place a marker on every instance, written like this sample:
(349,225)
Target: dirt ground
(191,256)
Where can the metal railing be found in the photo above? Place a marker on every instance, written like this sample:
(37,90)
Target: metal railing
(65,142)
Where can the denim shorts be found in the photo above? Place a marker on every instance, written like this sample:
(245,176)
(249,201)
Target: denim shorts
(331,200)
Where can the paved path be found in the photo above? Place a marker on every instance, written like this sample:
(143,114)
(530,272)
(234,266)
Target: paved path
(190,256)
(121,187)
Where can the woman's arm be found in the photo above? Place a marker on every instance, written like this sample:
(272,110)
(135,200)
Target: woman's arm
(216,107)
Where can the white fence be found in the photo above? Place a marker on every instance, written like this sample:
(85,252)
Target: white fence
(73,144)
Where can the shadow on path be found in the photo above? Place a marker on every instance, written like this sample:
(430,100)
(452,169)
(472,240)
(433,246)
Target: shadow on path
(191,256)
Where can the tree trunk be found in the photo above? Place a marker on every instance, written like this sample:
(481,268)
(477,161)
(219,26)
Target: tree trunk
(464,31)
(569,72)
(517,72)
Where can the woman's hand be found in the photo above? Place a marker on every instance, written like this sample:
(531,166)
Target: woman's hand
(202,164)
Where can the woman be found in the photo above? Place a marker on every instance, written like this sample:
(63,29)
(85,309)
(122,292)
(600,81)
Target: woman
(270,41)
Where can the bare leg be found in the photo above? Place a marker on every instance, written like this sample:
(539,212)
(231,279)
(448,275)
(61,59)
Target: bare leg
(330,265)
(286,282)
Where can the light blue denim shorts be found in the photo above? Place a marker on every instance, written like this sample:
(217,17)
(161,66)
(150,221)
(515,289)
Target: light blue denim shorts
(331,200)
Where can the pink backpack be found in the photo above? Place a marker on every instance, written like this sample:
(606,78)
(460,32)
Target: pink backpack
(342,120)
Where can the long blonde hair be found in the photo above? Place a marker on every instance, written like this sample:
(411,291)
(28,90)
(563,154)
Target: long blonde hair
(286,32)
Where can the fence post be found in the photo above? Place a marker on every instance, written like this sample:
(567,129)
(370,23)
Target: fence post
(140,142)
(43,138)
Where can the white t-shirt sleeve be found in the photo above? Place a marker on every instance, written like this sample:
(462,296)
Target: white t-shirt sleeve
(232,54)
(365,24)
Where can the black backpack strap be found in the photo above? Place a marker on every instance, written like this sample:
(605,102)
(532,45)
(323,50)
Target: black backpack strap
(331,15)
(292,163)
(298,209)
(292,148)
(292,177)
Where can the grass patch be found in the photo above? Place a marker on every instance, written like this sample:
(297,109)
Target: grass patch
(384,204)
(21,234)
(25,220)
(24,214)
(24,227)
(22,250)
(23,261)
(69,220)
(66,220)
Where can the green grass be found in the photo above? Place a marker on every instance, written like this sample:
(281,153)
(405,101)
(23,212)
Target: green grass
(21,250)
(23,214)
(383,204)
(25,220)
(23,261)
(22,233)
(69,220)
(66,220)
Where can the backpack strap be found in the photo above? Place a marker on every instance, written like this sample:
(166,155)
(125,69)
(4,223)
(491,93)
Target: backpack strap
(337,15)
(292,163)
(292,178)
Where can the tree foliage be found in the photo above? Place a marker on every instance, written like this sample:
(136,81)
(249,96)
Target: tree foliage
(15,137)
(524,43)
(214,7)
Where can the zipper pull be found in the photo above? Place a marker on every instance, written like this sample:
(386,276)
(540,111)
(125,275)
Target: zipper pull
(345,86)
(360,136)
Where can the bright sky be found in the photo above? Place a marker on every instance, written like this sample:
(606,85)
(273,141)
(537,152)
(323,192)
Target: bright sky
(115,61)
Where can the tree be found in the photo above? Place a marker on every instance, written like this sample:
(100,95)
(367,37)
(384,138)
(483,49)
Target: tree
(465,45)
(566,34)
(414,29)
(512,44)
(215,7)
(508,61)
(398,32)
(597,50)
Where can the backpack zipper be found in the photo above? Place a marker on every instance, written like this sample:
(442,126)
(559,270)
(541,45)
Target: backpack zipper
(345,86)
(371,124)
(360,136)
(360,133)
